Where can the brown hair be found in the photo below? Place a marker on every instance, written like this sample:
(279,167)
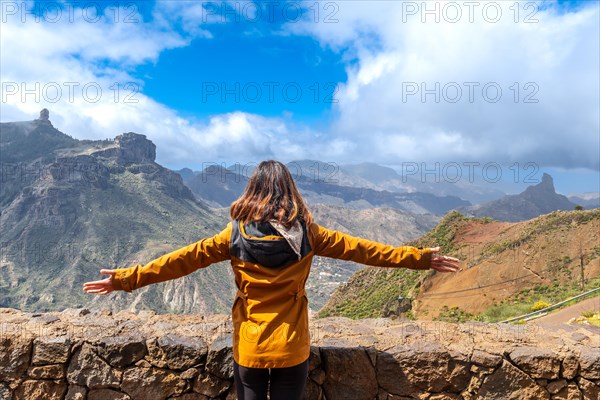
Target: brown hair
(271,193)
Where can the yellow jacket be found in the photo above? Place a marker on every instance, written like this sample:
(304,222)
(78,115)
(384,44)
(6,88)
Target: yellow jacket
(270,311)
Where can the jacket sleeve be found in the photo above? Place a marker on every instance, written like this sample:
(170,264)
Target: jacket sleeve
(334,244)
(175,264)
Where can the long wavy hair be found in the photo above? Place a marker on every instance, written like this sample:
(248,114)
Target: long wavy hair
(271,193)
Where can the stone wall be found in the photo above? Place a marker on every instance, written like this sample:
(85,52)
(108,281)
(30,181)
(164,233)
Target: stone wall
(78,354)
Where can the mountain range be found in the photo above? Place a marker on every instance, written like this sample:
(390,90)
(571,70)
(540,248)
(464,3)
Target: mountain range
(326,183)
(69,207)
(219,186)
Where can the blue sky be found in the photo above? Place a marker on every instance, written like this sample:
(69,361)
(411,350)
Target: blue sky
(338,81)
(246,73)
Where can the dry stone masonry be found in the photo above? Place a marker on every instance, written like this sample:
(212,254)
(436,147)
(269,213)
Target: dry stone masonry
(80,354)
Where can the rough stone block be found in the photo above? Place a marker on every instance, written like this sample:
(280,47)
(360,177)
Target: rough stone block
(211,386)
(53,350)
(106,394)
(569,367)
(570,392)
(76,392)
(588,389)
(485,359)
(510,383)
(219,361)
(87,369)
(589,363)
(349,374)
(14,357)
(152,383)
(122,351)
(56,371)
(430,367)
(40,389)
(539,363)
(176,352)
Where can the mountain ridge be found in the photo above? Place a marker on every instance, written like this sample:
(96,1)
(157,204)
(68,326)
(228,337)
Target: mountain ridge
(537,253)
(219,186)
(71,207)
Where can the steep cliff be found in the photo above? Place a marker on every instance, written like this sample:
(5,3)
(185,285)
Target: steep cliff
(70,207)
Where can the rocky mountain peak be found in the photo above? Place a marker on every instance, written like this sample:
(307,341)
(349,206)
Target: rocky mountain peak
(44,118)
(547,182)
(136,148)
(545,187)
(44,115)
(534,201)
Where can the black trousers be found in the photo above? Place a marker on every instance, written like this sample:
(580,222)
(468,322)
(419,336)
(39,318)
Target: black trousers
(283,383)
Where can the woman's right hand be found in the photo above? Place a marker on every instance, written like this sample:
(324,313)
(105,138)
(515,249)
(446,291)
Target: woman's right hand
(104,286)
(442,263)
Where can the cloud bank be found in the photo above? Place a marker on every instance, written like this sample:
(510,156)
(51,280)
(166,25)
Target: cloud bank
(445,81)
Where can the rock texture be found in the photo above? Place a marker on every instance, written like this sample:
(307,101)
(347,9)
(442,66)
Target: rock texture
(80,355)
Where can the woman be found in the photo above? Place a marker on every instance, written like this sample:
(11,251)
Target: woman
(270,242)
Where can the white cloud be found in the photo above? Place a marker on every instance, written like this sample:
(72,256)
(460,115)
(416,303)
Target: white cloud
(553,60)
(80,71)
(388,51)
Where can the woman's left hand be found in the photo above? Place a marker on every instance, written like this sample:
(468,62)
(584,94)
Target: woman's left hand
(442,263)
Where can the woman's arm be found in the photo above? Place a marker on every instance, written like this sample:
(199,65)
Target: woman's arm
(170,266)
(335,244)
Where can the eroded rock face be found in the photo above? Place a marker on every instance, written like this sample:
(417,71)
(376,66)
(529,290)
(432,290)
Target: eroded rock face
(88,369)
(152,383)
(15,356)
(349,374)
(122,351)
(44,115)
(154,357)
(508,382)
(135,148)
(54,350)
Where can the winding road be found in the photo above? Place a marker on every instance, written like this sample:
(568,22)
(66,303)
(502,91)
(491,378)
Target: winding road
(563,315)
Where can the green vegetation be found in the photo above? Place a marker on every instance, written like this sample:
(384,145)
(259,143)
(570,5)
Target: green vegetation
(529,300)
(370,293)
(589,318)
(456,314)
(443,234)
(556,220)
(373,292)
(370,300)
